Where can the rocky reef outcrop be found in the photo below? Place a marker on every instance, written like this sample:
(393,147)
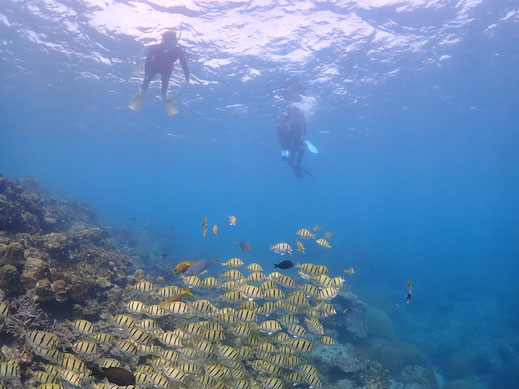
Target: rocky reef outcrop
(54,252)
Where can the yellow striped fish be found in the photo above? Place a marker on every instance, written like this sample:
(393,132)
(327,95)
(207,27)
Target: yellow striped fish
(253,267)
(269,327)
(233,262)
(232,220)
(300,247)
(301,345)
(143,287)
(323,243)
(305,234)
(84,347)
(215,229)
(282,248)
(9,371)
(209,282)
(84,327)
(4,309)
(328,235)
(42,339)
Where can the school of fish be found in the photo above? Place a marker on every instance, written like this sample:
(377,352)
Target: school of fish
(239,329)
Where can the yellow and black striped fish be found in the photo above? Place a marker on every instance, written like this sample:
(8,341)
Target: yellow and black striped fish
(4,309)
(300,247)
(323,243)
(84,347)
(282,248)
(42,339)
(143,287)
(301,345)
(254,267)
(232,220)
(9,371)
(305,234)
(84,327)
(233,262)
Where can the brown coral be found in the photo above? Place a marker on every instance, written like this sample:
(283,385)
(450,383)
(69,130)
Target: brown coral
(34,270)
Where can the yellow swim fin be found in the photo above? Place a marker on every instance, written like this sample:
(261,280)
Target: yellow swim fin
(170,106)
(136,103)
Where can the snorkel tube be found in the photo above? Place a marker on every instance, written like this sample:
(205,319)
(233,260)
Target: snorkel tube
(179,31)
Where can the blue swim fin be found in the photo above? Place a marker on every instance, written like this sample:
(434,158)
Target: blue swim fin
(311,147)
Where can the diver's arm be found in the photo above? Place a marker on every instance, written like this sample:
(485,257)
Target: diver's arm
(183,62)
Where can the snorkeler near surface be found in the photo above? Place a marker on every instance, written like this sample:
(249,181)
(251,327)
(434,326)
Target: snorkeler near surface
(291,128)
(160,60)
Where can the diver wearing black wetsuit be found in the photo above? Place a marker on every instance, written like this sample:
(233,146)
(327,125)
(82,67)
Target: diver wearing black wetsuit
(291,131)
(160,60)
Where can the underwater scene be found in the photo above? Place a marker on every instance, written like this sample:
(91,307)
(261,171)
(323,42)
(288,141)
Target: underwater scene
(260,194)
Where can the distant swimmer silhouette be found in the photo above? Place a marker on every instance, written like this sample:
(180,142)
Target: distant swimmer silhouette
(160,60)
(291,127)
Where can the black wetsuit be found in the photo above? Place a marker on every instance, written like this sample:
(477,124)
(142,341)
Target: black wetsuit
(160,60)
(292,134)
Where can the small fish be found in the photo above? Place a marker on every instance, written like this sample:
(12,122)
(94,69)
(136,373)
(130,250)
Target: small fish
(284,265)
(305,234)
(163,255)
(328,235)
(204,222)
(115,375)
(205,232)
(215,229)
(300,247)
(282,248)
(185,292)
(199,266)
(316,228)
(408,299)
(233,262)
(350,271)
(245,246)
(182,266)
(232,220)
(323,243)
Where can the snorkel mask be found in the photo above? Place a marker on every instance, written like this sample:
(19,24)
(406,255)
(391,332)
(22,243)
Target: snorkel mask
(170,38)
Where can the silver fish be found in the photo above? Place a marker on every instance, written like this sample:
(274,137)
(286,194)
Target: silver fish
(199,266)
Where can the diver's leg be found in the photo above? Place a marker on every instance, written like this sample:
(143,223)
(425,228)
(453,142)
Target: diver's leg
(298,157)
(169,105)
(165,75)
(137,100)
(300,154)
(147,79)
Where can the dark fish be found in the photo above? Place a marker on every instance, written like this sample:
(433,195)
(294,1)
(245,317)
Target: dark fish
(163,255)
(199,266)
(409,291)
(115,375)
(245,246)
(284,265)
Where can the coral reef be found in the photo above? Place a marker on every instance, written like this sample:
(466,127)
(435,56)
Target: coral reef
(52,251)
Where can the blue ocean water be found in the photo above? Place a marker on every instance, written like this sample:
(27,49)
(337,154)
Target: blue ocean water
(413,106)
